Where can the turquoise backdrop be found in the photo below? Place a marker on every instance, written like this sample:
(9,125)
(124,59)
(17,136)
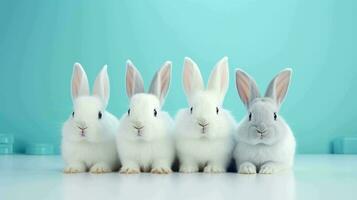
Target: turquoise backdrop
(40,40)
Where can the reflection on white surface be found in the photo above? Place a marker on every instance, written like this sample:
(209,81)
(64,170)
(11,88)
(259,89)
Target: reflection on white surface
(178,186)
(314,177)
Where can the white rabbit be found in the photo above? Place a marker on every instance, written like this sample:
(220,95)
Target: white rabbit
(144,138)
(265,142)
(203,132)
(88,135)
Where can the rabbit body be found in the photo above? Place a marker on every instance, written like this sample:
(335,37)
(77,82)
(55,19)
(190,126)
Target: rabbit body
(211,155)
(265,142)
(88,135)
(144,138)
(281,153)
(203,132)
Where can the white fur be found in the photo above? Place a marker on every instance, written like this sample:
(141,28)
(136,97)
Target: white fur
(94,148)
(207,146)
(264,145)
(149,148)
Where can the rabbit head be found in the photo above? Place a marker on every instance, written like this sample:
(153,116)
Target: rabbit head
(205,115)
(88,116)
(263,124)
(144,119)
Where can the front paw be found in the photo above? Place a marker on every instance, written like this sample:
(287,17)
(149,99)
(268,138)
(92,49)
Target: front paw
(129,170)
(100,168)
(267,169)
(247,168)
(75,168)
(161,170)
(188,169)
(213,169)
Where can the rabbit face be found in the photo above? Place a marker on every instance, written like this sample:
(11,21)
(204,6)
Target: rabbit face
(205,115)
(205,110)
(263,125)
(144,119)
(263,122)
(86,120)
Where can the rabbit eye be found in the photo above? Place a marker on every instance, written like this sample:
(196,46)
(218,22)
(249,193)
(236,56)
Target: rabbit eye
(72,114)
(275,116)
(128,111)
(217,110)
(250,116)
(191,109)
(155,112)
(100,115)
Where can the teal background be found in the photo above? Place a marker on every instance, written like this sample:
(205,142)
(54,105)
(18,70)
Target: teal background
(40,40)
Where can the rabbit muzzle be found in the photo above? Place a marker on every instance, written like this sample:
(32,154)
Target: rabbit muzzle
(203,124)
(138,127)
(82,128)
(262,132)
(139,130)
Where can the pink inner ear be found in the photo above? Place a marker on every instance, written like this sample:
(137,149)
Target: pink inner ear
(187,74)
(77,83)
(164,82)
(129,81)
(242,83)
(281,86)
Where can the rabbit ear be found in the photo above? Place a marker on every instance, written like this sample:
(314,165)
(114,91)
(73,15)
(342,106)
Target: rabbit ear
(134,82)
(219,79)
(161,82)
(247,88)
(101,86)
(279,86)
(80,86)
(192,79)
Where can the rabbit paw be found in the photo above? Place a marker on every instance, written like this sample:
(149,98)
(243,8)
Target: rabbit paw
(74,168)
(161,170)
(100,168)
(213,169)
(247,168)
(129,170)
(188,169)
(267,169)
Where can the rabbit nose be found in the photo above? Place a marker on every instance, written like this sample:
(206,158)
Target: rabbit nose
(261,128)
(202,122)
(81,124)
(137,124)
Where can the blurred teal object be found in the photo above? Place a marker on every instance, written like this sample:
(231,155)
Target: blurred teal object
(345,145)
(40,149)
(41,40)
(6,149)
(6,138)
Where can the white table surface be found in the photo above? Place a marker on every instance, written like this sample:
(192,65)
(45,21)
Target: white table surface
(314,177)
